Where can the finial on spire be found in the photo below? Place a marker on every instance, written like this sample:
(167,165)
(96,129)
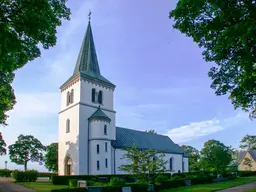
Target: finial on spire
(89,15)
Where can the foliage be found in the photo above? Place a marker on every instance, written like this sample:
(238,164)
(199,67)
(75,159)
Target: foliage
(160,178)
(151,131)
(142,163)
(248,162)
(26,148)
(5,173)
(24,24)
(194,157)
(72,183)
(248,142)
(215,155)
(226,30)
(51,157)
(2,145)
(25,176)
(115,181)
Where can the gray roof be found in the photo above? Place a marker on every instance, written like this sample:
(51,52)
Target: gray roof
(242,154)
(99,114)
(125,138)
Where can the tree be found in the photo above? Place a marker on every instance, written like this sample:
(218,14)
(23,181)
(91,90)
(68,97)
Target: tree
(215,156)
(194,157)
(248,162)
(24,24)
(2,146)
(248,142)
(226,30)
(26,148)
(151,131)
(143,163)
(51,157)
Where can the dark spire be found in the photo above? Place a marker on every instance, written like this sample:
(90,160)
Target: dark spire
(87,59)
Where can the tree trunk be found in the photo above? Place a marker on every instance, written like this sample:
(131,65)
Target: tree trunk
(25,165)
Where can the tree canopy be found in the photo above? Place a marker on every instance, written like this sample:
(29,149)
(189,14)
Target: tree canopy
(215,156)
(248,142)
(2,146)
(51,157)
(24,26)
(151,131)
(227,32)
(142,163)
(194,157)
(26,148)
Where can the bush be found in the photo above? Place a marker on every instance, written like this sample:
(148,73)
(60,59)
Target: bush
(115,181)
(138,187)
(161,178)
(70,190)
(64,180)
(25,176)
(5,172)
(246,173)
(171,183)
(45,174)
(111,189)
(72,183)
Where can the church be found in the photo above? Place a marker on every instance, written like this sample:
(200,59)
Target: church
(90,143)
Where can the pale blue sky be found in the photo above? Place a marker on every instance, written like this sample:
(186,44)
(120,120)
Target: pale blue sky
(160,76)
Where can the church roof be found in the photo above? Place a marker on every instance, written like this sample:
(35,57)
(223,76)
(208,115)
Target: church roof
(87,63)
(99,114)
(125,138)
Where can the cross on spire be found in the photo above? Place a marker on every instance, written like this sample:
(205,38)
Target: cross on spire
(89,15)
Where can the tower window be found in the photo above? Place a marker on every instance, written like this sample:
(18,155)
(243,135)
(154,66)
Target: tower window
(106,163)
(93,95)
(67,126)
(67,98)
(98,148)
(106,147)
(100,95)
(98,165)
(72,96)
(105,130)
(171,164)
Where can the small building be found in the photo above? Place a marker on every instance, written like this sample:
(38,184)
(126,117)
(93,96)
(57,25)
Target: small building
(89,140)
(247,160)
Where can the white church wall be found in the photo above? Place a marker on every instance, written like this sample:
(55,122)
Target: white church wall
(101,157)
(177,162)
(186,164)
(97,129)
(86,94)
(68,142)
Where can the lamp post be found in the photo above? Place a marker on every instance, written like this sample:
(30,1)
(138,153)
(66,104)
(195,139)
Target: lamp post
(6,164)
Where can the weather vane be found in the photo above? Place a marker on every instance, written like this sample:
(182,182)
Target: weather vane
(89,15)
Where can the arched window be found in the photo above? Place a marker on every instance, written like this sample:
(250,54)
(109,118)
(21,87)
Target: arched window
(72,96)
(171,164)
(67,126)
(67,98)
(105,130)
(100,95)
(93,95)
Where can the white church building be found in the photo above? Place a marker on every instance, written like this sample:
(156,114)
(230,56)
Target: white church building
(89,140)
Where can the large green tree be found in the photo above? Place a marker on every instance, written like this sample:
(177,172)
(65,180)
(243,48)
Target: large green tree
(194,157)
(51,157)
(215,156)
(24,25)
(226,29)
(248,142)
(2,146)
(143,163)
(26,148)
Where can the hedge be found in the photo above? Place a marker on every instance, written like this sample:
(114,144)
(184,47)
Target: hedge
(70,190)
(25,176)
(5,172)
(246,173)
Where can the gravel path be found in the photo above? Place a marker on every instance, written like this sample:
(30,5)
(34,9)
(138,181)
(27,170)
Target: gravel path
(240,188)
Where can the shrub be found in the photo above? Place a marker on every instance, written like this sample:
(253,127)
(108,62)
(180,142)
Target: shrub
(246,173)
(115,181)
(45,174)
(111,189)
(161,178)
(70,190)
(171,183)
(73,183)
(5,172)
(64,180)
(25,176)
(138,187)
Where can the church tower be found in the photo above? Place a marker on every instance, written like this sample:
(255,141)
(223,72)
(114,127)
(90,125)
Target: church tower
(87,117)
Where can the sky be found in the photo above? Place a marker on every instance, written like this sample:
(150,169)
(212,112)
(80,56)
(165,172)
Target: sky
(160,76)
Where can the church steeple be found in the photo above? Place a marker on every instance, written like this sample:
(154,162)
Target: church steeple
(87,59)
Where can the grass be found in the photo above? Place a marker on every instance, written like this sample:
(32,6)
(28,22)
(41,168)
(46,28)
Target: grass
(213,186)
(43,186)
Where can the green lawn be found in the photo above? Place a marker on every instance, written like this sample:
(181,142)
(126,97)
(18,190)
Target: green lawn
(43,186)
(213,186)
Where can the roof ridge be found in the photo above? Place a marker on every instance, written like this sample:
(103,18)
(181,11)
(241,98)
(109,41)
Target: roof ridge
(142,131)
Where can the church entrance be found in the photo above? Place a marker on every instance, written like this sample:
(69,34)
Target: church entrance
(68,165)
